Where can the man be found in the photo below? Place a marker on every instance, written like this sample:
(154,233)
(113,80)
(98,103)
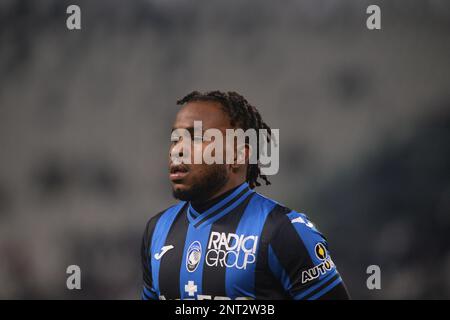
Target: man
(223,240)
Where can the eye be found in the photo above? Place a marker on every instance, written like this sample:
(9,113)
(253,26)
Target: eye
(176,135)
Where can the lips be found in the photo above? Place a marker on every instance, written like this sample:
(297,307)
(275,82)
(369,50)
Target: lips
(178,172)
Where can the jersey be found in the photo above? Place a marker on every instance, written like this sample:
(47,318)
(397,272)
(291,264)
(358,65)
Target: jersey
(246,246)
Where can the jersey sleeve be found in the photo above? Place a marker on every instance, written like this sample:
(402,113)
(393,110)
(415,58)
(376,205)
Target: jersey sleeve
(299,258)
(148,292)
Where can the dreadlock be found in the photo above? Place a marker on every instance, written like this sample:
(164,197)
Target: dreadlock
(242,115)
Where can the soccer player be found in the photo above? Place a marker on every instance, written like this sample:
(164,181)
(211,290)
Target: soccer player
(223,240)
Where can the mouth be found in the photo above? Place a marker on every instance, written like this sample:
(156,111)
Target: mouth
(178,172)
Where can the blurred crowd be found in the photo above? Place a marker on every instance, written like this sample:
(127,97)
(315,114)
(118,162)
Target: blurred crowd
(86,115)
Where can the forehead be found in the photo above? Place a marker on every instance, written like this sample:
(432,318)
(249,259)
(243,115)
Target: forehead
(209,112)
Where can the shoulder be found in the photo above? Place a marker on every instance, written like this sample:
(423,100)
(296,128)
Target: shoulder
(284,220)
(162,215)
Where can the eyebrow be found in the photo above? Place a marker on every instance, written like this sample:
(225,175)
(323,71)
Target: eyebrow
(189,129)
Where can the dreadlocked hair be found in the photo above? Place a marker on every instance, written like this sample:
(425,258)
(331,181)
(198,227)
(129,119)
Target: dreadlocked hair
(242,115)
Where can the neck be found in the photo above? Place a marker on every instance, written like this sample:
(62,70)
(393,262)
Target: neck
(203,205)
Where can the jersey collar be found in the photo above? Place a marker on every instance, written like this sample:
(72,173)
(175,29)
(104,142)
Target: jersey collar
(220,209)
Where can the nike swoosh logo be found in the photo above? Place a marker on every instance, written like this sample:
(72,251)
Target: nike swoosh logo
(163,251)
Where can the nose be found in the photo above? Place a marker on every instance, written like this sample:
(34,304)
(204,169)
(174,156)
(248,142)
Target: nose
(177,152)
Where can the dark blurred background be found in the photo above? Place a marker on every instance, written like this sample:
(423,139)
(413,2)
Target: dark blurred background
(85,118)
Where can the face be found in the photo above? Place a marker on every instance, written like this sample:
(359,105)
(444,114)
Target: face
(197,182)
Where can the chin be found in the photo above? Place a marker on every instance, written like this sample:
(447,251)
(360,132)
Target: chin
(181,192)
(179,187)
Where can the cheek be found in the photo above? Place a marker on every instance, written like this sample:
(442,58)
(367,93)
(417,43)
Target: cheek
(197,172)
(214,170)
(214,153)
(197,151)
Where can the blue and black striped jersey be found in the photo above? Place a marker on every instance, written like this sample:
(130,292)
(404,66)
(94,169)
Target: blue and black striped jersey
(246,246)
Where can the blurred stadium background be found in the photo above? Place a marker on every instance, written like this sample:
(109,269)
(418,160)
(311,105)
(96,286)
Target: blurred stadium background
(85,120)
